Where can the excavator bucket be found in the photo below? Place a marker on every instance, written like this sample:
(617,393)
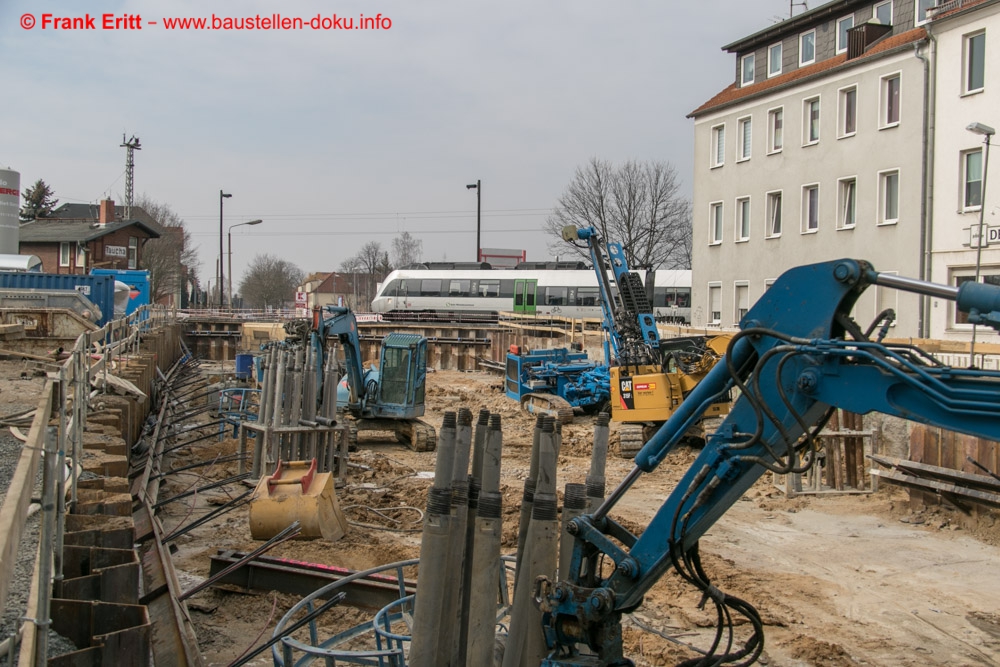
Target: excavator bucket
(296,492)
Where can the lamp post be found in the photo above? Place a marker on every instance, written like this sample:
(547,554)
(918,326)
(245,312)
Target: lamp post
(987,132)
(230,254)
(220,274)
(478,187)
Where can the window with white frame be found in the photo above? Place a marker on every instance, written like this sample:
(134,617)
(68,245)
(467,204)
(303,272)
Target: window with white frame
(848,112)
(718,145)
(715,303)
(774,214)
(133,252)
(775,129)
(64,254)
(847,194)
(974,56)
(988,275)
(715,222)
(742,219)
(887,298)
(810,121)
(746,70)
(972,180)
(807,48)
(768,283)
(741,300)
(81,257)
(922,7)
(883,12)
(843,25)
(774,59)
(810,208)
(745,138)
(889,113)
(888,197)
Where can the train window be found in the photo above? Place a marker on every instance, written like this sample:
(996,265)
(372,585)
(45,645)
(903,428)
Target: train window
(587,296)
(430,287)
(661,297)
(506,289)
(392,288)
(489,288)
(459,288)
(683,297)
(410,286)
(556,296)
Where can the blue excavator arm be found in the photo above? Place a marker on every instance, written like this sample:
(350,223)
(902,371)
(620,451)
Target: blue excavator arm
(339,322)
(797,357)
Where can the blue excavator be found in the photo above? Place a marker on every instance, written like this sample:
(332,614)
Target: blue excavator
(798,356)
(387,397)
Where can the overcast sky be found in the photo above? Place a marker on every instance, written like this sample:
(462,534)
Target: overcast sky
(335,138)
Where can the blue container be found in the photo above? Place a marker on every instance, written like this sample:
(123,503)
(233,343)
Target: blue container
(99,289)
(244,366)
(138,282)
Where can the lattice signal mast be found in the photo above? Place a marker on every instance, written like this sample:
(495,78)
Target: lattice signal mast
(130,147)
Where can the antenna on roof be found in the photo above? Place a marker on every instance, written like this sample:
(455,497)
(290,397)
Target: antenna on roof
(130,147)
(792,5)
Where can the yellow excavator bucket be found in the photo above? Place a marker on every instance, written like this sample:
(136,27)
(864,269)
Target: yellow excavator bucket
(296,492)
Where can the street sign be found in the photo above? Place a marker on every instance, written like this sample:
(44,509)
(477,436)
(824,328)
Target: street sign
(300,299)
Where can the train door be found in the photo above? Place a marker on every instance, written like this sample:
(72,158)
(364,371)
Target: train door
(524,296)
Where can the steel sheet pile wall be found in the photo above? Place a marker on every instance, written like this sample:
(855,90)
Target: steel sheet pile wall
(86,574)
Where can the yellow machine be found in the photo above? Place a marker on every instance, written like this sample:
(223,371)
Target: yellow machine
(644,396)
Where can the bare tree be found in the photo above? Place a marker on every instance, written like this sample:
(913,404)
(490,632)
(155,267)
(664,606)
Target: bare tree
(269,282)
(171,259)
(406,249)
(637,204)
(373,262)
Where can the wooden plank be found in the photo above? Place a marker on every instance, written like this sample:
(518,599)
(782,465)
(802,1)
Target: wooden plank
(944,488)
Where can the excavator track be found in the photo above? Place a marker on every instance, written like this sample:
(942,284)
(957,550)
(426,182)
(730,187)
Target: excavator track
(548,404)
(630,440)
(417,435)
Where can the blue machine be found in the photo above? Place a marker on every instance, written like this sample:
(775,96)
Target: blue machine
(390,397)
(137,281)
(798,357)
(555,381)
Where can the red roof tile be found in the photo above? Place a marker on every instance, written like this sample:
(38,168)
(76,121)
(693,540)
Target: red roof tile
(732,93)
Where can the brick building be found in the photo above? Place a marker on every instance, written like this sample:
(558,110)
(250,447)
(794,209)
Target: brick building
(79,237)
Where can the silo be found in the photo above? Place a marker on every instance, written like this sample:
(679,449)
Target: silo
(10,206)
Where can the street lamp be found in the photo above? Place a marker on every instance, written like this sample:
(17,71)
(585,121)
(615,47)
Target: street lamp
(230,254)
(220,274)
(478,187)
(987,132)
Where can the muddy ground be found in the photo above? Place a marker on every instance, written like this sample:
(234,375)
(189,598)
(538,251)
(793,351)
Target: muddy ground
(838,580)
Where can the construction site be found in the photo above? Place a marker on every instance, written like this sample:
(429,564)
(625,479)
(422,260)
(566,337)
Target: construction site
(197,493)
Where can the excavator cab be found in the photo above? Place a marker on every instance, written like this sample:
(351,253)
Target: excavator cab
(399,390)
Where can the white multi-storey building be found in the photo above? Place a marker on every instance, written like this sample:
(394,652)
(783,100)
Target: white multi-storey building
(825,147)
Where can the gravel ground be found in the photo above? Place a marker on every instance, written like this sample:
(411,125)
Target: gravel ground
(17,598)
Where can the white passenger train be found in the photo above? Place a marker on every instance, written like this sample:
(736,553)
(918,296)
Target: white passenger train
(472,291)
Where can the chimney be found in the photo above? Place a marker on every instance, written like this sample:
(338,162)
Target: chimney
(106,211)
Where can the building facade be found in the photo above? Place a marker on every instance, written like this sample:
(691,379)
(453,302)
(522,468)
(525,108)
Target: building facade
(823,148)
(965,92)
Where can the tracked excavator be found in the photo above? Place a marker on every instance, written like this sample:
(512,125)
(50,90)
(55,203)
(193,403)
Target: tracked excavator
(797,357)
(649,376)
(389,397)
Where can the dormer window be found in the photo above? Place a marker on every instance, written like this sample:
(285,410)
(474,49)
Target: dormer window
(843,25)
(807,48)
(746,70)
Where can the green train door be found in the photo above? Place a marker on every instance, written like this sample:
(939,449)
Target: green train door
(524,296)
